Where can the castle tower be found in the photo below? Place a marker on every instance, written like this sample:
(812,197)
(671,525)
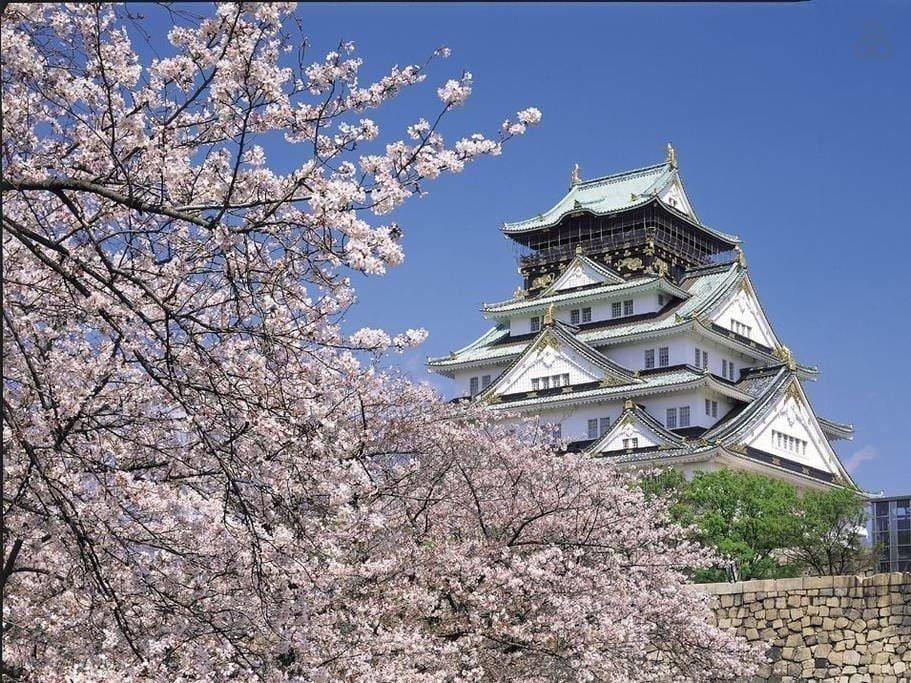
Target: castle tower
(638,335)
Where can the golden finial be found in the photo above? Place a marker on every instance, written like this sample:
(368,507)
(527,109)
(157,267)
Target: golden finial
(576,176)
(578,250)
(671,155)
(741,259)
(549,315)
(783,353)
(628,404)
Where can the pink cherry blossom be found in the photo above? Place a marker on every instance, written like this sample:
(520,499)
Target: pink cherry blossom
(206,477)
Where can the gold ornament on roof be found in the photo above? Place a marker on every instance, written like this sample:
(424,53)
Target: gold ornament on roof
(549,315)
(628,404)
(578,250)
(671,155)
(576,176)
(783,353)
(741,259)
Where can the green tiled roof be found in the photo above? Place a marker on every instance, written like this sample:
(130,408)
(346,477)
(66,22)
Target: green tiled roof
(704,290)
(602,291)
(601,196)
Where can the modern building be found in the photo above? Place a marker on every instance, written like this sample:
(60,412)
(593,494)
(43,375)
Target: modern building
(637,333)
(890,522)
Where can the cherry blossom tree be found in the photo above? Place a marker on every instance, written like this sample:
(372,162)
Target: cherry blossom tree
(205,477)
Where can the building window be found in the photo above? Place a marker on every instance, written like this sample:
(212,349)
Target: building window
(535,323)
(649,359)
(705,360)
(711,408)
(574,316)
(684,416)
(661,300)
(615,309)
(789,443)
(593,429)
(473,385)
(741,329)
(664,356)
(587,315)
(631,443)
(724,368)
(698,362)
(485,381)
(671,421)
(558,431)
(550,381)
(603,426)
(628,307)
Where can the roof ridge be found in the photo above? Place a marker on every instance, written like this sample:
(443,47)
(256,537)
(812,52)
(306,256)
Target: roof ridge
(621,174)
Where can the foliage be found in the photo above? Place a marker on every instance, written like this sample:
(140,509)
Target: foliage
(827,539)
(764,525)
(206,479)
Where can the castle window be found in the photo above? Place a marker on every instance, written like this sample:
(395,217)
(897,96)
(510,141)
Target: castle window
(731,370)
(535,384)
(535,323)
(739,328)
(684,416)
(628,307)
(724,368)
(631,443)
(603,426)
(663,356)
(473,385)
(587,315)
(671,420)
(485,381)
(615,309)
(786,442)
(574,316)
(593,429)
(649,359)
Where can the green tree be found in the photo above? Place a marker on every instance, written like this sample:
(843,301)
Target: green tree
(748,518)
(828,539)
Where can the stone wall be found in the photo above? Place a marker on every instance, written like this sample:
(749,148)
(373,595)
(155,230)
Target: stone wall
(840,628)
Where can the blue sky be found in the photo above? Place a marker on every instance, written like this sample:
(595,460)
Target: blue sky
(790,123)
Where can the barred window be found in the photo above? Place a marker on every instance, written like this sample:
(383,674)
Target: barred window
(628,307)
(574,316)
(485,381)
(615,309)
(698,362)
(724,368)
(535,323)
(603,426)
(671,421)
(535,384)
(684,416)
(587,315)
(593,429)
(649,358)
(473,385)
(663,356)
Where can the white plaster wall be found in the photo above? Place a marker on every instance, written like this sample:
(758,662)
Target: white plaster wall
(745,308)
(547,361)
(462,379)
(717,353)
(574,423)
(792,418)
(601,310)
